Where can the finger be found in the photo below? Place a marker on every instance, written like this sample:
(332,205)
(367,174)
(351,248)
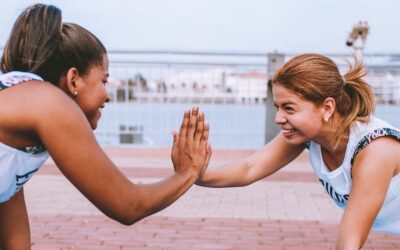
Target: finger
(206,132)
(199,128)
(208,155)
(192,122)
(174,144)
(208,148)
(175,137)
(184,125)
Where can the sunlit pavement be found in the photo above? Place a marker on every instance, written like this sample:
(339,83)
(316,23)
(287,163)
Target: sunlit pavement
(288,210)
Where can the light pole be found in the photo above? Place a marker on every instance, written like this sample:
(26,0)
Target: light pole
(357,38)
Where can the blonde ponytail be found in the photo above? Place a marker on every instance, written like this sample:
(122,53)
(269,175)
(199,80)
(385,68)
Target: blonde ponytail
(357,102)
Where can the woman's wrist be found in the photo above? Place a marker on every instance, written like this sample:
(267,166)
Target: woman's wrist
(189,174)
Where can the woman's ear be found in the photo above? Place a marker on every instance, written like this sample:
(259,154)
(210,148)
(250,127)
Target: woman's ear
(71,81)
(328,106)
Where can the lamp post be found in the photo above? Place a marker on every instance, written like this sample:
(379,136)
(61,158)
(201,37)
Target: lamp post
(275,61)
(357,38)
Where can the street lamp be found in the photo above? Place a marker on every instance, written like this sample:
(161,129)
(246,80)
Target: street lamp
(357,37)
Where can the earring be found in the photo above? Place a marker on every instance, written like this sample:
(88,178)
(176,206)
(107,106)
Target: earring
(326,119)
(75,92)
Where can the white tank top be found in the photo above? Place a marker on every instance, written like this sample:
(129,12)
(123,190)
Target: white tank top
(337,183)
(18,165)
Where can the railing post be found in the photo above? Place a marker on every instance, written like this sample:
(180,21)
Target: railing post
(126,93)
(275,60)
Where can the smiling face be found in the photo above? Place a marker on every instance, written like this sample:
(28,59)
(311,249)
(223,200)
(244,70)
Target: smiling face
(91,92)
(300,120)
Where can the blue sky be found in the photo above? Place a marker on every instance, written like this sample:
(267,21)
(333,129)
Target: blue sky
(288,26)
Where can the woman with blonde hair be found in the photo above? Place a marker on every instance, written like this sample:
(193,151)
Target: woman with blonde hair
(354,155)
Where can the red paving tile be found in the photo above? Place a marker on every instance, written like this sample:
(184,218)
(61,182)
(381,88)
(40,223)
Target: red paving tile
(94,231)
(157,232)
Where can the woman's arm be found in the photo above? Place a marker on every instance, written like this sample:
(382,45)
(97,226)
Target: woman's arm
(372,172)
(14,223)
(260,164)
(65,132)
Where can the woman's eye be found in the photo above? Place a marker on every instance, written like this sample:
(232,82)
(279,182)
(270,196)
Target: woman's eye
(289,109)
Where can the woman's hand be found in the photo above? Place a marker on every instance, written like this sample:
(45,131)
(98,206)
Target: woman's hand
(191,151)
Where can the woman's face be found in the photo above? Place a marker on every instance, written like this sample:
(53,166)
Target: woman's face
(300,120)
(92,95)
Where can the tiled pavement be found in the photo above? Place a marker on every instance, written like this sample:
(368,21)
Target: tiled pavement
(288,210)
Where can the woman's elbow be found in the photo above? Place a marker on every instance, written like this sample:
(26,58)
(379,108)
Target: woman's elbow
(129,215)
(128,219)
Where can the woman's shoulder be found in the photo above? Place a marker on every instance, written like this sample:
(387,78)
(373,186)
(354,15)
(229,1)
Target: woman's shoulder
(364,133)
(33,93)
(34,101)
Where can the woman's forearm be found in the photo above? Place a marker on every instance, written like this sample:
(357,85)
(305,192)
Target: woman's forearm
(147,199)
(235,174)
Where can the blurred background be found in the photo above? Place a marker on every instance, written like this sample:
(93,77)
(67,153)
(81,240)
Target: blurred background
(166,56)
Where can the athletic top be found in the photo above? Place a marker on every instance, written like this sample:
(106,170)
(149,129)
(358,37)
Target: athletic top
(18,165)
(338,183)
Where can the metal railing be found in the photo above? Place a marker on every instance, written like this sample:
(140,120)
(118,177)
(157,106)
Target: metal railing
(170,81)
(151,89)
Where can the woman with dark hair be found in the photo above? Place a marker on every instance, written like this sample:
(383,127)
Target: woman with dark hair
(52,94)
(354,155)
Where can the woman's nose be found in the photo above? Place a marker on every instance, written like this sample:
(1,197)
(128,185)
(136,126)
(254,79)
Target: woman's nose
(280,118)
